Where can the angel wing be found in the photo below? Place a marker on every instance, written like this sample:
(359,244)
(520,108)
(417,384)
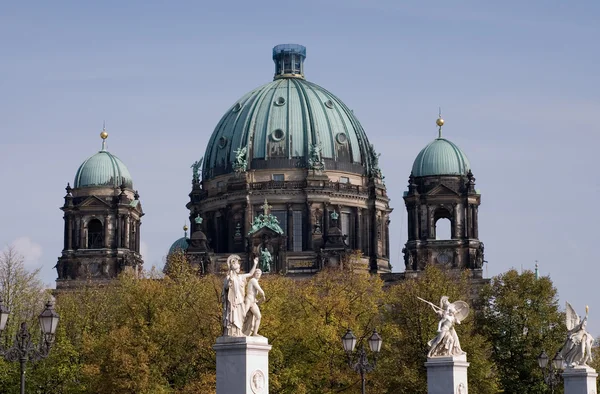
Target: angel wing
(572,317)
(462,310)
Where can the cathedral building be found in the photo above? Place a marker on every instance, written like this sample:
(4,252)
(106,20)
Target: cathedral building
(288,176)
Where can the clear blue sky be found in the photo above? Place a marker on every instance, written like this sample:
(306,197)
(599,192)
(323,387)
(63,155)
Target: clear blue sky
(518,83)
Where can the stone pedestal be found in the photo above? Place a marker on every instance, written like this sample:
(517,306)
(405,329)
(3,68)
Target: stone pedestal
(242,365)
(447,375)
(580,380)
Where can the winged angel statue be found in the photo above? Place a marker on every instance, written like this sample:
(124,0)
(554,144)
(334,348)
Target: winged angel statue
(446,342)
(577,350)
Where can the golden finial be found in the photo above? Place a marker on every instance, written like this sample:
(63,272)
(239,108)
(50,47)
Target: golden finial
(185,227)
(440,123)
(587,309)
(104,136)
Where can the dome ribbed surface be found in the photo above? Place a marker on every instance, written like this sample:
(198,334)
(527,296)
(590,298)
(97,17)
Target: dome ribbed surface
(441,157)
(103,169)
(279,122)
(180,245)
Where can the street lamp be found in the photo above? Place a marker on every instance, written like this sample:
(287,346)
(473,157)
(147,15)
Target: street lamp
(23,349)
(551,370)
(362,364)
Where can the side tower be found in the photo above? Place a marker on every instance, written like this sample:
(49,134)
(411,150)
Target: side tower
(102,216)
(441,187)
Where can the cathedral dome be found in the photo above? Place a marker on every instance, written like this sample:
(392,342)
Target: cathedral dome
(440,157)
(103,169)
(180,245)
(281,122)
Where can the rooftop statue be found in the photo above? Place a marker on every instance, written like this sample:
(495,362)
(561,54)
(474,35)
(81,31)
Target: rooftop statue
(315,161)
(233,297)
(240,164)
(577,350)
(196,170)
(375,170)
(446,342)
(265,219)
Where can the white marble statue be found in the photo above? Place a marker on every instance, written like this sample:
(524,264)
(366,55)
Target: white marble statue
(233,297)
(253,316)
(577,350)
(446,342)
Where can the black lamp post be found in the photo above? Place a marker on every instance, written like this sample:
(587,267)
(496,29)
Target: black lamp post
(359,361)
(551,370)
(24,349)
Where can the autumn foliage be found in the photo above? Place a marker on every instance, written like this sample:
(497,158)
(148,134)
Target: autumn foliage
(155,335)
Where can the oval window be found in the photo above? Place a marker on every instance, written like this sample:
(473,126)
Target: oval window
(280,101)
(329,104)
(222,142)
(236,107)
(277,135)
(341,138)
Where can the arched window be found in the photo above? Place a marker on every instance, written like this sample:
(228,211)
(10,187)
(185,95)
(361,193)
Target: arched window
(443,229)
(95,234)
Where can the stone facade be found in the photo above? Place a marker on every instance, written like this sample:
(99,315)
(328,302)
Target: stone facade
(303,200)
(101,235)
(430,199)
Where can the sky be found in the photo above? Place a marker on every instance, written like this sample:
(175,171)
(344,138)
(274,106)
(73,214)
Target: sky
(517,82)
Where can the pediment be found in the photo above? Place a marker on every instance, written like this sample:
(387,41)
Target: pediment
(442,190)
(264,230)
(137,206)
(94,202)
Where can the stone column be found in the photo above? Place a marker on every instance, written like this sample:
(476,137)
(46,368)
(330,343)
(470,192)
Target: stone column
(68,232)
(242,365)
(580,380)
(138,237)
(387,236)
(358,229)
(475,222)
(106,231)
(82,238)
(447,375)
(127,232)
(416,223)
(290,227)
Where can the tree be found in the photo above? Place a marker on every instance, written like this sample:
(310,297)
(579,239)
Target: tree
(411,323)
(520,317)
(25,295)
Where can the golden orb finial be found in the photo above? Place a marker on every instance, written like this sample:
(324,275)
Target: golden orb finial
(185,227)
(104,134)
(440,122)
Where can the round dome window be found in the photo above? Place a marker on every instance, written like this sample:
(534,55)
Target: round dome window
(341,138)
(222,142)
(277,135)
(280,101)
(236,107)
(329,104)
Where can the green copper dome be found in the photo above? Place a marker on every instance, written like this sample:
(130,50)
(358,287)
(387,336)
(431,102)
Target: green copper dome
(180,245)
(103,169)
(441,157)
(281,122)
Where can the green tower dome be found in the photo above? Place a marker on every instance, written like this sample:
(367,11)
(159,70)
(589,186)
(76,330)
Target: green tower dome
(440,157)
(280,122)
(103,169)
(180,245)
